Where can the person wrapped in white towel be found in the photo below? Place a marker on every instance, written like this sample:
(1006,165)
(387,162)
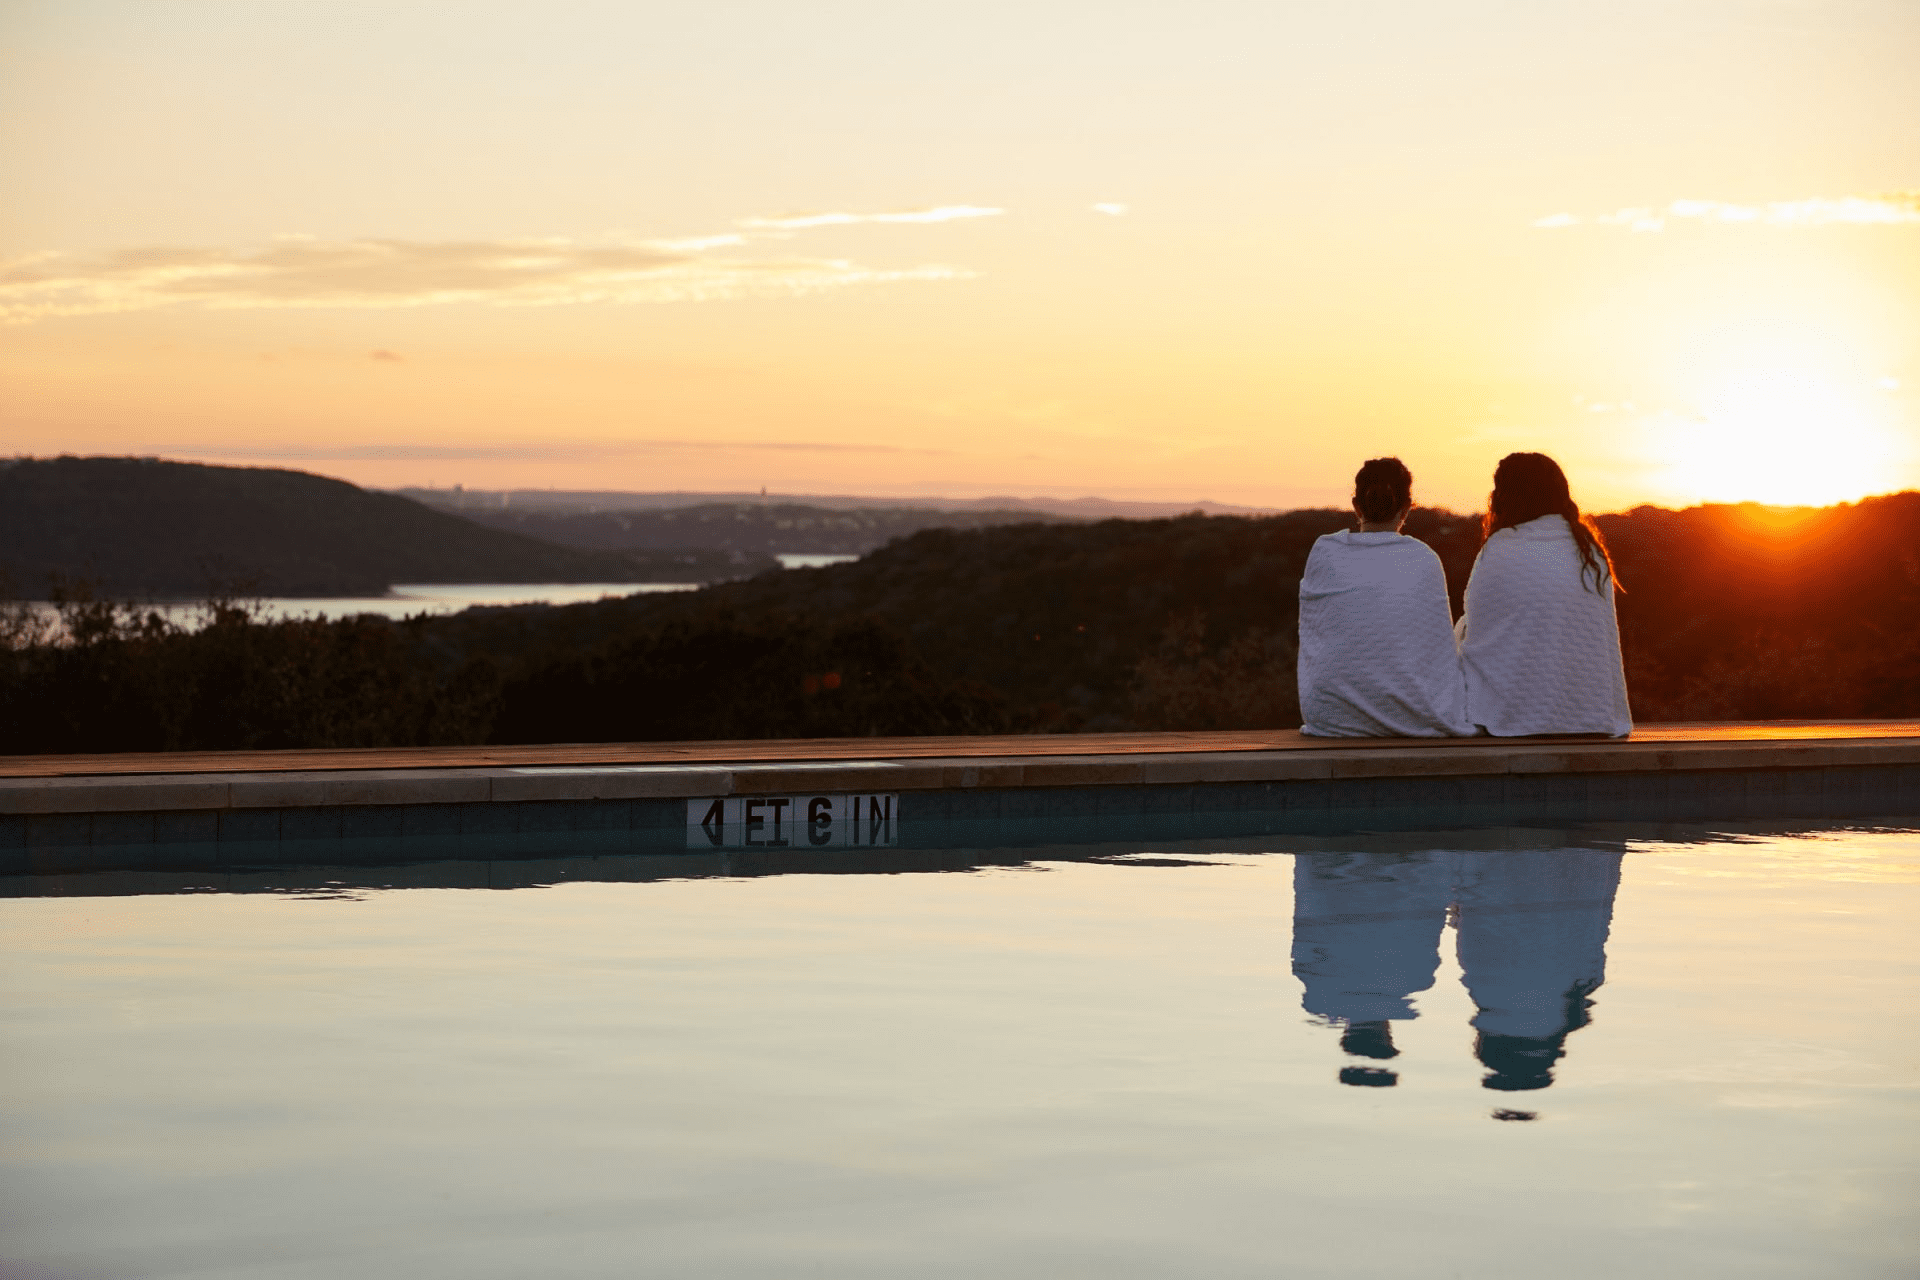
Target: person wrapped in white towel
(1539,639)
(1377,651)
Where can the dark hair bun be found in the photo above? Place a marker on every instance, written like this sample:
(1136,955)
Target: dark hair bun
(1382,489)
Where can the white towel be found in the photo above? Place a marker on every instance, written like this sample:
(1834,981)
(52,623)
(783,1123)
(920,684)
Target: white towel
(1541,646)
(1377,651)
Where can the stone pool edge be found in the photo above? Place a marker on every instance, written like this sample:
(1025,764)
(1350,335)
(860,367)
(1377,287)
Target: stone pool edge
(206,821)
(23,797)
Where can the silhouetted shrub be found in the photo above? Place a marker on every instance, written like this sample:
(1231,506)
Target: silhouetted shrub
(120,679)
(769,676)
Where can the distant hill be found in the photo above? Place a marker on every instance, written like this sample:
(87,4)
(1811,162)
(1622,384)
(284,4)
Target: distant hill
(760,528)
(1730,612)
(143,526)
(468,501)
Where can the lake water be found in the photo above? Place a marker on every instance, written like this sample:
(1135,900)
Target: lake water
(408,600)
(1390,1057)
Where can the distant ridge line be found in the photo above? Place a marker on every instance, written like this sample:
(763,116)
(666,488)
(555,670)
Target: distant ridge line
(1091,508)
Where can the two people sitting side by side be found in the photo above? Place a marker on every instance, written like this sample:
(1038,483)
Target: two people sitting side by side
(1537,650)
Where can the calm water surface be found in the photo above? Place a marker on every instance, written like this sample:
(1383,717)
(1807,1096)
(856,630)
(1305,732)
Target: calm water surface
(1687,1059)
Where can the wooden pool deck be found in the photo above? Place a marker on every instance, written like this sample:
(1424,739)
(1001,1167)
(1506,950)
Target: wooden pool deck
(1024,746)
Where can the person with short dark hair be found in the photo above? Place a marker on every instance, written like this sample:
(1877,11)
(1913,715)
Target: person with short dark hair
(1539,639)
(1377,650)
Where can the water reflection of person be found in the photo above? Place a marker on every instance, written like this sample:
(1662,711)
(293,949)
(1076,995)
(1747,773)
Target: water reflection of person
(1531,931)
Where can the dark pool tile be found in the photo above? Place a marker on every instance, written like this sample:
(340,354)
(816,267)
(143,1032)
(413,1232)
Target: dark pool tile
(488,846)
(63,859)
(1231,797)
(1768,793)
(1689,797)
(1169,800)
(316,823)
(1026,805)
(1649,796)
(1548,794)
(1071,803)
(925,806)
(651,815)
(422,821)
(575,815)
(617,840)
(1172,826)
(489,818)
(367,821)
(1306,795)
(1411,794)
(261,853)
(1609,796)
(1843,792)
(982,806)
(1805,792)
(123,828)
(178,855)
(412,848)
(188,826)
(249,825)
(1438,795)
(1119,802)
(59,830)
(1727,794)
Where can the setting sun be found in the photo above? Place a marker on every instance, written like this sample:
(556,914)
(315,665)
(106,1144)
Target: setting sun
(1783,438)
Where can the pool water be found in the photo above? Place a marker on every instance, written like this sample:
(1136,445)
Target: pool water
(1472,1054)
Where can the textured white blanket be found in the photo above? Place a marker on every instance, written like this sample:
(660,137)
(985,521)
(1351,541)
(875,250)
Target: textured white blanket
(1541,646)
(1377,652)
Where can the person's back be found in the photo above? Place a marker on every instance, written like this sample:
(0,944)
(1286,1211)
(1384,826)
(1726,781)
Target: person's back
(1377,653)
(1539,640)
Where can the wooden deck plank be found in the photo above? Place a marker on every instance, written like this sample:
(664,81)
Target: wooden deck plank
(825,749)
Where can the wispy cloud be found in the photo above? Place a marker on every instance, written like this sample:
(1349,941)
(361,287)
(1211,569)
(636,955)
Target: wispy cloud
(802,221)
(1111,210)
(301,271)
(1882,210)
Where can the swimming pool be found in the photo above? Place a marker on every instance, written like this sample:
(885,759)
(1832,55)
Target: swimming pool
(1218,1058)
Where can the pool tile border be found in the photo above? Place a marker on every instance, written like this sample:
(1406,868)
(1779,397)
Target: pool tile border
(63,824)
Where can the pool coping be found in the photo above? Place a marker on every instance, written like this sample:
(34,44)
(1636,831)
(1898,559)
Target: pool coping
(191,790)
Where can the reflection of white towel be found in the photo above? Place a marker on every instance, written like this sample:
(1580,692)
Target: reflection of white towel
(1541,646)
(1366,930)
(1532,933)
(1533,936)
(1377,653)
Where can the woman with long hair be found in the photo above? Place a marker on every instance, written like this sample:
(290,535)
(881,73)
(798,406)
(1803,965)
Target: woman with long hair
(1377,652)
(1539,639)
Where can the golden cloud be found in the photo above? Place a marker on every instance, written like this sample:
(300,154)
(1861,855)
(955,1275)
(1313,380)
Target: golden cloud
(1881,210)
(802,221)
(302,271)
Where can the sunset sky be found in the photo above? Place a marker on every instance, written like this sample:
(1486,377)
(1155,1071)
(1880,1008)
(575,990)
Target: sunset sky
(1212,250)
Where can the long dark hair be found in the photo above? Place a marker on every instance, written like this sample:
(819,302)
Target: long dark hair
(1527,486)
(1382,489)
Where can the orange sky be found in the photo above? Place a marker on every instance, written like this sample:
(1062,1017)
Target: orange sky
(1220,251)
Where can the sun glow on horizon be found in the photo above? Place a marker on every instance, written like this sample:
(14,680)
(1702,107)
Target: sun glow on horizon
(1782,438)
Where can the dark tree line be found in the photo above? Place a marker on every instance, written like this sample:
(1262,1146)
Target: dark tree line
(1730,612)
